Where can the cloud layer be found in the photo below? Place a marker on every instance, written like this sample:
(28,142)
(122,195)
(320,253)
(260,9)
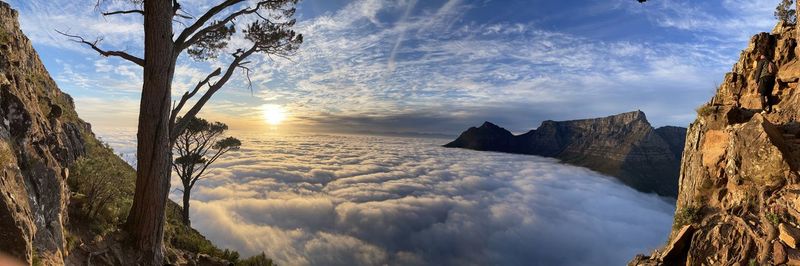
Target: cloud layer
(363,200)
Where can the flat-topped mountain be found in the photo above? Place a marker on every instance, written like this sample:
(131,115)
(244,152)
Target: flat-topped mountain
(625,146)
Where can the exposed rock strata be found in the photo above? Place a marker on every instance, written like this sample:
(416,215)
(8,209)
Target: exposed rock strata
(40,135)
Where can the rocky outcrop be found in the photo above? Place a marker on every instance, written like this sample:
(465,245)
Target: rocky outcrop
(739,180)
(40,135)
(625,146)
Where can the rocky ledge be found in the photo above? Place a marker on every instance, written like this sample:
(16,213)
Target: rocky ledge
(739,199)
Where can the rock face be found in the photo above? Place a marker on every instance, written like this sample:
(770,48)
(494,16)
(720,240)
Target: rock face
(739,182)
(625,146)
(40,135)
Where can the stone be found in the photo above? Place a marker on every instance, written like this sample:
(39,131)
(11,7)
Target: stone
(792,257)
(788,235)
(778,253)
(715,144)
(676,251)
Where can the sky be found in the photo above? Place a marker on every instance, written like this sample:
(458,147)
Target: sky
(374,200)
(372,66)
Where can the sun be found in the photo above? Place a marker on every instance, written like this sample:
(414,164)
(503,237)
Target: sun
(273,114)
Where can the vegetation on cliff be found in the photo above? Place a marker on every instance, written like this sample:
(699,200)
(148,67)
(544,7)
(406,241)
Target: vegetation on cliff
(65,193)
(739,198)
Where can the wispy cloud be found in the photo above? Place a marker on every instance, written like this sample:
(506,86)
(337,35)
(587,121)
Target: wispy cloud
(415,60)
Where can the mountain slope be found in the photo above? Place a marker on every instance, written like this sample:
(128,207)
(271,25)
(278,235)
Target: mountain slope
(739,199)
(623,145)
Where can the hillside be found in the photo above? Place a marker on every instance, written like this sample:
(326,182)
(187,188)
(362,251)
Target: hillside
(53,166)
(625,146)
(739,199)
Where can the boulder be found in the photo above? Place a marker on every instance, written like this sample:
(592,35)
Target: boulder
(676,251)
(778,253)
(792,257)
(788,235)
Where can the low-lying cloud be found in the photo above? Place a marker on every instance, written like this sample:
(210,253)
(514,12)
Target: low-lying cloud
(362,200)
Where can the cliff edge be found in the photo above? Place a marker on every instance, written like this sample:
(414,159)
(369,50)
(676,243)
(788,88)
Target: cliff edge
(739,195)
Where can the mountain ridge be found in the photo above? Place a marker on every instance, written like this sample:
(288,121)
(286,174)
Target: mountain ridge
(625,146)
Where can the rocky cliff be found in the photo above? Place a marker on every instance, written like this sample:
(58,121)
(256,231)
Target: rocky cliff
(40,135)
(41,138)
(739,198)
(625,146)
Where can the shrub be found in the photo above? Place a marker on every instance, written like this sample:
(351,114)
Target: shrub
(773,218)
(103,186)
(687,215)
(705,110)
(784,12)
(257,260)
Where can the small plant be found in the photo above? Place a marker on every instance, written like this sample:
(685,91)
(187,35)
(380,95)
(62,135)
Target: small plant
(784,12)
(103,186)
(257,260)
(687,215)
(776,214)
(706,110)
(773,218)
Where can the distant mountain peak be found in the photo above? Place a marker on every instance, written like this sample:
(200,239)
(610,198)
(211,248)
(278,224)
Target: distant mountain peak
(488,124)
(623,145)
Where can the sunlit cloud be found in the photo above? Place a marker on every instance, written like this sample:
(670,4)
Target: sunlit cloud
(345,200)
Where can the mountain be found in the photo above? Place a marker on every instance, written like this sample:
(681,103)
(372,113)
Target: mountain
(739,200)
(625,146)
(48,159)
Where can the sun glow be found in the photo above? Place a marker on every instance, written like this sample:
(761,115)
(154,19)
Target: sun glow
(273,114)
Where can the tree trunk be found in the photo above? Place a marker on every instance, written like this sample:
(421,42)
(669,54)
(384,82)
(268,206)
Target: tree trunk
(187,191)
(146,219)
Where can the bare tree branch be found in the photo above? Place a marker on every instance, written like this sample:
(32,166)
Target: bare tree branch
(247,74)
(186,96)
(205,18)
(134,11)
(93,45)
(237,61)
(216,25)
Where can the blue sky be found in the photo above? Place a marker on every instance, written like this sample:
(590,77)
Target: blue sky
(429,66)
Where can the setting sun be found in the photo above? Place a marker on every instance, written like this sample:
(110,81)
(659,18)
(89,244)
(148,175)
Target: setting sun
(273,114)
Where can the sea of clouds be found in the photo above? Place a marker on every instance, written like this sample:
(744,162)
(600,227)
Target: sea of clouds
(367,200)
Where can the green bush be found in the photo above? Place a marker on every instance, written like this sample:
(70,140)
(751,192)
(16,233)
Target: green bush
(99,174)
(103,188)
(687,215)
(784,12)
(257,260)
(773,218)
